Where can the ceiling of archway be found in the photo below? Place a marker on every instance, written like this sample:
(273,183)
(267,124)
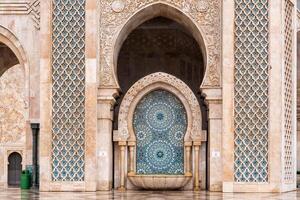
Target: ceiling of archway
(7,58)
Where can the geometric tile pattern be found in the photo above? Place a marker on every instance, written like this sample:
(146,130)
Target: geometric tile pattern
(68,89)
(251,91)
(160,123)
(288,91)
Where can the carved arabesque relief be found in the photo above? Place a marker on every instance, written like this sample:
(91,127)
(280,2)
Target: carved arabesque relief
(164,81)
(12,105)
(205,14)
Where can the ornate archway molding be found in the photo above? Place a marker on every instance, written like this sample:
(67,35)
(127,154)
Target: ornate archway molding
(14,144)
(157,81)
(125,135)
(202,18)
(10,40)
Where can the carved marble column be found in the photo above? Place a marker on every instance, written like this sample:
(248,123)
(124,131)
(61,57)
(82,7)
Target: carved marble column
(213,99)
(196,166)
(122,166)
(105,105)
(131,158)
(188,146)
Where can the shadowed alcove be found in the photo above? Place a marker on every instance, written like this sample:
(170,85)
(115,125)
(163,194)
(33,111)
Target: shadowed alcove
(7,58)
(161,45)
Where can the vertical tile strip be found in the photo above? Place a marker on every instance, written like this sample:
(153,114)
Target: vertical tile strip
(68,90)
(288,91)
(251,91)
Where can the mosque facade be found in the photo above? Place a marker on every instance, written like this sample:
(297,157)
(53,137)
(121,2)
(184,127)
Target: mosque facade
(149,94)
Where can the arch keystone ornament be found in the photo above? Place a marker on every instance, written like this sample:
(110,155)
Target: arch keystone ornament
(162,90)
(118,6)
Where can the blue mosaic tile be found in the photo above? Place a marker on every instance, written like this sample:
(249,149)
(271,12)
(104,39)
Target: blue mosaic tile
(160,123)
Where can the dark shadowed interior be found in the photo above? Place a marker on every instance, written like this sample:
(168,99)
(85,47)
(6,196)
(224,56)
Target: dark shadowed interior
(160,45)
(7,58)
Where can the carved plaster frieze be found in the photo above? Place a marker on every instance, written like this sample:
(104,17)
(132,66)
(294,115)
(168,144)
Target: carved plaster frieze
(12,106)
(168,82)
(28,7)
(205,14)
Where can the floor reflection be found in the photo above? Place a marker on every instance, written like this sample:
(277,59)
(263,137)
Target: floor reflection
(14,193)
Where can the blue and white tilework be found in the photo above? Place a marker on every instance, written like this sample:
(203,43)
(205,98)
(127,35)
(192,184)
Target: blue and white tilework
(68,90)
(160,123)
(251,92)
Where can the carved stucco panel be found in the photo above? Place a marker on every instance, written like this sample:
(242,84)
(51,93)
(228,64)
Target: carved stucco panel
(168,82)
(12,106)
(206,14)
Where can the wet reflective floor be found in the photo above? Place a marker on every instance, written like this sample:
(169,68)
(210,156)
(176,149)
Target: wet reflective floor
(14,193)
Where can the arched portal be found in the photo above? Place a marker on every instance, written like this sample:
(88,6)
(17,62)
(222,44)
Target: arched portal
(160,121)
(139,17)
(14,109)
(162,45)
(14,169)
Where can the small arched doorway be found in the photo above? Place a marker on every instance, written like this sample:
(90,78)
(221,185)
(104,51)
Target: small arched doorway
(14,169)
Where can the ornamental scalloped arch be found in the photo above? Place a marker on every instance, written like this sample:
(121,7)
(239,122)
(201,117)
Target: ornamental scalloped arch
(119,18)
(148,84)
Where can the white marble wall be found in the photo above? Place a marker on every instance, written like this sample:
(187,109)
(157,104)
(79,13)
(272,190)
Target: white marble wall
(33,47)
(20,34)
(12,116)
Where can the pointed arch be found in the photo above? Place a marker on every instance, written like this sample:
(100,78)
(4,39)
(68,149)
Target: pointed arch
(144,14)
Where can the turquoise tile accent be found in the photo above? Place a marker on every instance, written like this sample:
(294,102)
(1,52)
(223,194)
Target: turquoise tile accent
(160,123)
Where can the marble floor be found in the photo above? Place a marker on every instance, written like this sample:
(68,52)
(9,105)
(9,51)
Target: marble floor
(14,193)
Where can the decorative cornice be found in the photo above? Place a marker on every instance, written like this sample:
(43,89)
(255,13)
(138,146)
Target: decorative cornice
(31,8)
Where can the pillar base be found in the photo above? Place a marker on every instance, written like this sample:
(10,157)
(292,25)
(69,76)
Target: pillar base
(131,174)
(122,189)
(188,174)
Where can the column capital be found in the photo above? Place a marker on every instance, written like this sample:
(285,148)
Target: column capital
(35,125)
(212,95)
(122,143)
(110,92)
(107,96)
(106,100)
(197,144)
